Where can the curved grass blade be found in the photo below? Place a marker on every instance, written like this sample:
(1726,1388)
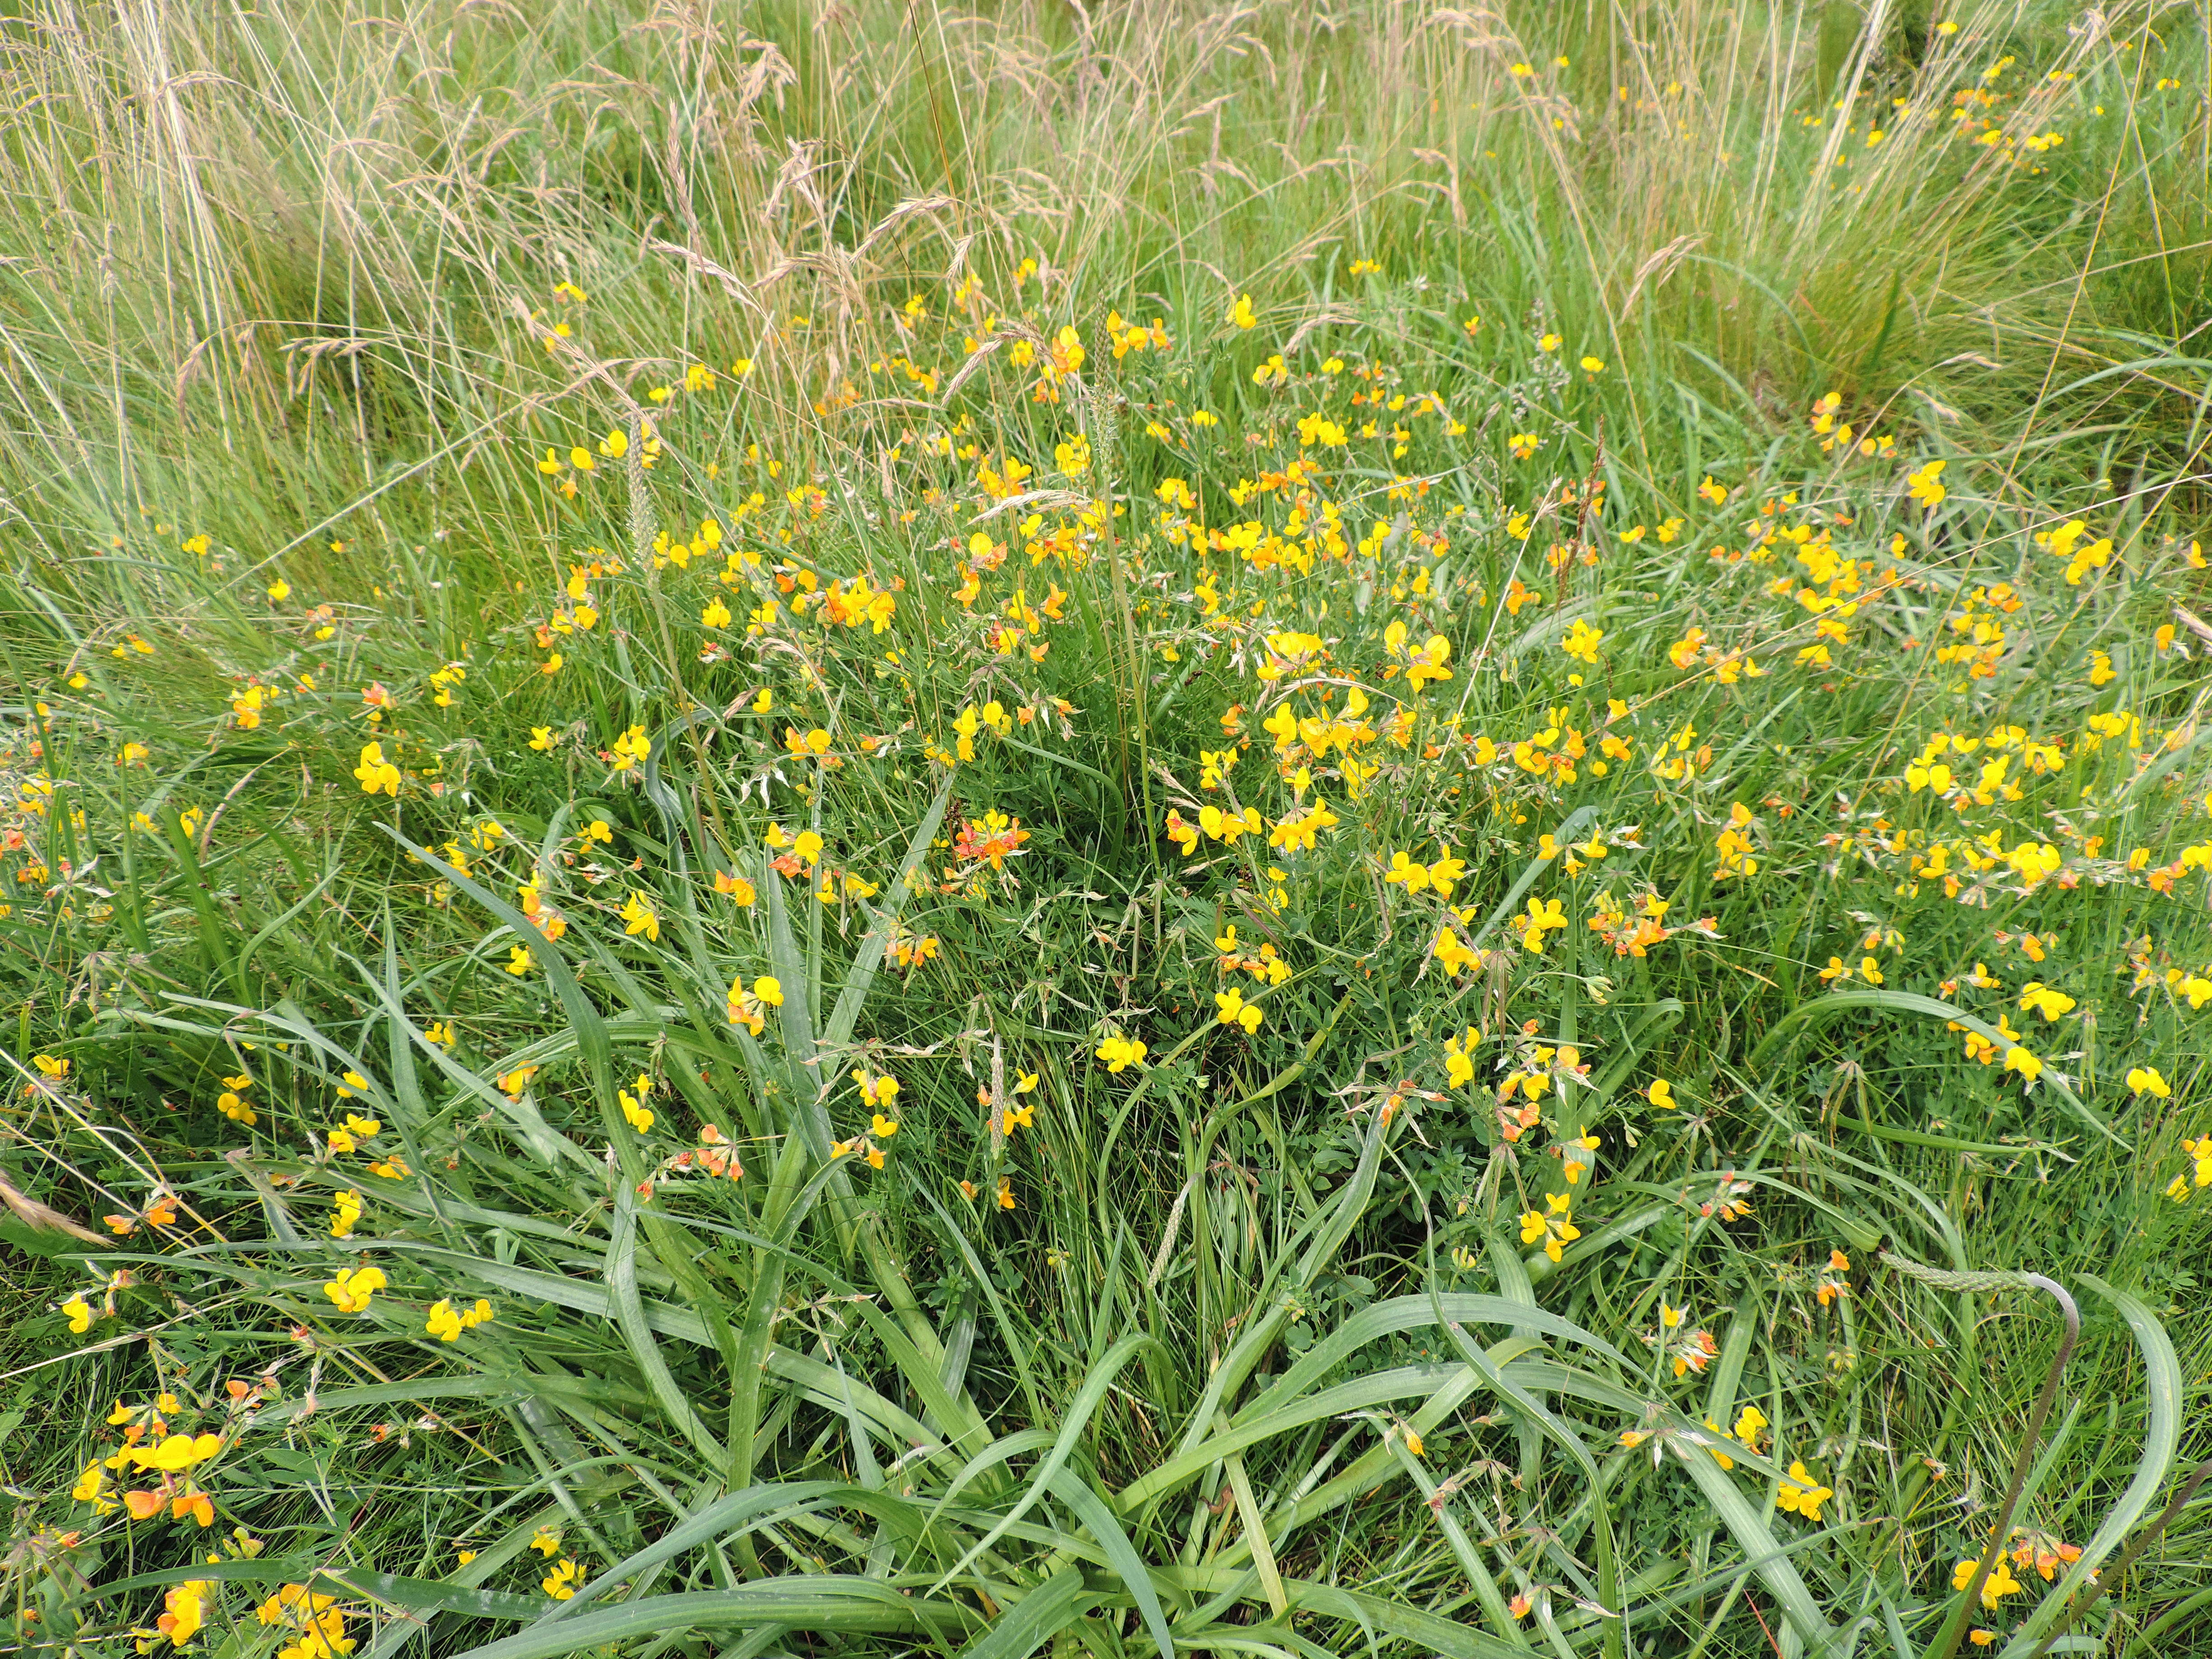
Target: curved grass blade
(1097,1516)
(1079,1410)
(1404,1313)
(825,1601)
(415,1596)
(1777,1571)
(2163,1388)
(594,1045)
(1361,1394)
(1826,1007)
(1034,1621)
(621,1275)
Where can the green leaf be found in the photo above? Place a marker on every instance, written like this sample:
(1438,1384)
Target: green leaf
(593,1044)
(415,1596)
(1827,1006)
(2164,1387)
(883,922)
(1095,1381)
(1745,1524)
(825,1601)
(1566,832)
(1021,1629)
(1093,1513)
(621,1274)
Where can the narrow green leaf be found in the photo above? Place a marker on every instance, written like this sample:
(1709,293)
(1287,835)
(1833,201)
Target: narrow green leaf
(823,1602)
(1360,1394)
(1095,1381)
(1746,1525)
(2163,1386)
(1021,1629)
(1404,1313)
(883,922)
(621,1276)
(415,1596)
(593,1044)
(1566,832)
(1095,1515)
(1826,1007)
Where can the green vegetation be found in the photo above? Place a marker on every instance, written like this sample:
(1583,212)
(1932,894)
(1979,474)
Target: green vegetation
(1217,828)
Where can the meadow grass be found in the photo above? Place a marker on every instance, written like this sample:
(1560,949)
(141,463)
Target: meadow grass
(1258,829)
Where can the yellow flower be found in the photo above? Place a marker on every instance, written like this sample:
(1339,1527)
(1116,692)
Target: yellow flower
(1999,1584)
(2145,1081)
(319,1627)
(561,1582)
(1581,643)
(1240,313)
(1719,1456)
(345,1210)
(1554,1224)
(768,989)
(640,917)
(184,1610)
(352,1289)
(1120,1053)
(1593,365)
(1542,915)
(1803,1495)
(176,1453)
(519,960)
(92,1485)
(1406,872)
(1924,486)
(446,1322)
(1231,1009)
(80,1314)
(378,775)
(634,1110)
(1662,1094)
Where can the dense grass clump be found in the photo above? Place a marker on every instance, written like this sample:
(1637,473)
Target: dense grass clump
(1226,828)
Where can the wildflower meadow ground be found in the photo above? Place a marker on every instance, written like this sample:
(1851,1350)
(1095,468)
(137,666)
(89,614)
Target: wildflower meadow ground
(1234,829)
